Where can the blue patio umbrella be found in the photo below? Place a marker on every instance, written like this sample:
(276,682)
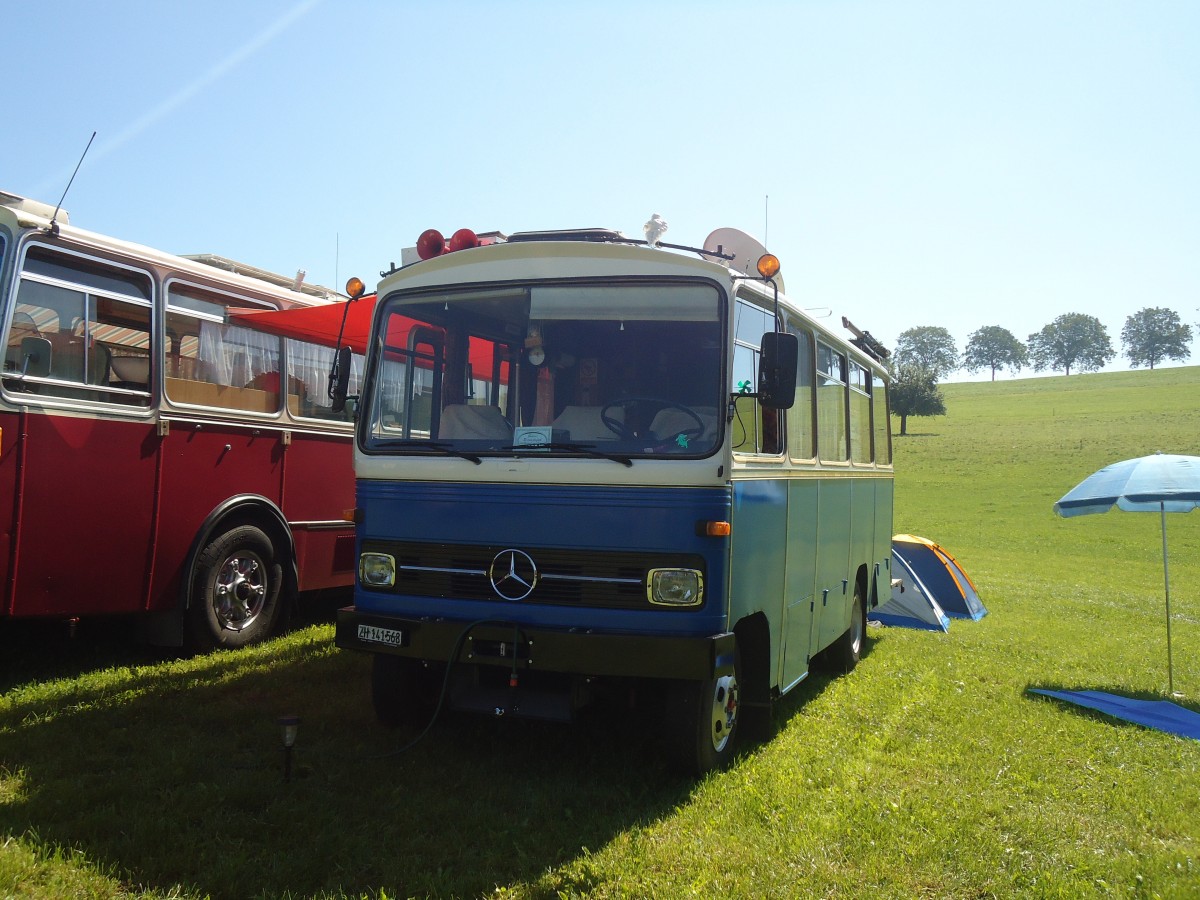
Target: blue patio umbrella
(1160,483)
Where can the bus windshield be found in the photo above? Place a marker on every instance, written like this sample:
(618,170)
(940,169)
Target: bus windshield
(588,368)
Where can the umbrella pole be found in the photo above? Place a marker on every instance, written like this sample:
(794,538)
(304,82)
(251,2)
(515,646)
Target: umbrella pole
(1162,506)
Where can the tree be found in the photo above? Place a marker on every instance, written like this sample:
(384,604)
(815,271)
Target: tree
(928,347)
(995,348)
(1154,334)
(915,392)
(1072,340)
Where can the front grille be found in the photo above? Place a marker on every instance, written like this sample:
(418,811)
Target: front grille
(592,578)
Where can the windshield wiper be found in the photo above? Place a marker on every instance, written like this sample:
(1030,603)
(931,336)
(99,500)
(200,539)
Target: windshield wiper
(585,449)
(433,446)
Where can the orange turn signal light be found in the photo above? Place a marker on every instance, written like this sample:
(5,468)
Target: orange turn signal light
(768,265)
(717,529)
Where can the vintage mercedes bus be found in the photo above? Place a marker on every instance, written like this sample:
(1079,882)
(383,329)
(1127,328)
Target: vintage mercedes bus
(159,459)
(588,464)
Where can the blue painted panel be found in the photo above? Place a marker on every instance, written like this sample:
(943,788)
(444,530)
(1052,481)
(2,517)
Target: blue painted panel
(598,518)
(759,555)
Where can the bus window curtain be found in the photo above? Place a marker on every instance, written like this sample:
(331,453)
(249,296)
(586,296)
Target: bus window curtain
(234,356)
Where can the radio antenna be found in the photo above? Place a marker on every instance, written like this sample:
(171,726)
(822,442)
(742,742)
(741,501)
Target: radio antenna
(53,229)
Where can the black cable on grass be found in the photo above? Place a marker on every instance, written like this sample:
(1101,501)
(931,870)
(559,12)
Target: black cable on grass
(458,645)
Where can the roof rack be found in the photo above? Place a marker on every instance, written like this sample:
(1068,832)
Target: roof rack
(239,268)
(607,236)
(866,342)
(33,207)
(601,235)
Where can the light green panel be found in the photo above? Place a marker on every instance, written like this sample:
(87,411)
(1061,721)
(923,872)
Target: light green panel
(803,517)
(793,540)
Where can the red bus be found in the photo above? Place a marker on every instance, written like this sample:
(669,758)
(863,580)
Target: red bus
(159,458)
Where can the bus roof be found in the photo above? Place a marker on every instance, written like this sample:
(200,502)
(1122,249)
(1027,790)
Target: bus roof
(22,212)
(728,255)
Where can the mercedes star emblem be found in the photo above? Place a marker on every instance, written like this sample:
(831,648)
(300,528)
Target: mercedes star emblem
(513,574)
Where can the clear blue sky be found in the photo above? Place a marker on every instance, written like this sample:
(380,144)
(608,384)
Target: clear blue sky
(949,163)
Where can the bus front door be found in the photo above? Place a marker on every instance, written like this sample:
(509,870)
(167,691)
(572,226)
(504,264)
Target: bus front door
(82,514)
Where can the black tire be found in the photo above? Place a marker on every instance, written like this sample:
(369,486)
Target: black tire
(847,650)
(404,691)
(235,591)
(702,723)
(756,722)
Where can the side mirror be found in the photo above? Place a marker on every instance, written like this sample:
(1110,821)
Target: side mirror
(35,355)
(777,370)
(339,379)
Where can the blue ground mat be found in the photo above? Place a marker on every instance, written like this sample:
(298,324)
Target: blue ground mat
(1162,715)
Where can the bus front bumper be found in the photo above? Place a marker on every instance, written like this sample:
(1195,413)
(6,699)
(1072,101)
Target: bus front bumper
(575,651)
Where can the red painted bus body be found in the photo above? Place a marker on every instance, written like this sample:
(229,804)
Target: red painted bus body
(179,488)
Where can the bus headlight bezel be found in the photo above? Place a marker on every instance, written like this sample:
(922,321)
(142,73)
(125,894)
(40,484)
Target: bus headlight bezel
(377,569)
(675,588)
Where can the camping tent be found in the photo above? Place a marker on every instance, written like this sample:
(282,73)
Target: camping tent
(941,575)
(911,604)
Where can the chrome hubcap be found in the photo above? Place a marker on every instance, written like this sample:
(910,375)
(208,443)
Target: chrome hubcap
(724,711)
(241,591)
(856,625)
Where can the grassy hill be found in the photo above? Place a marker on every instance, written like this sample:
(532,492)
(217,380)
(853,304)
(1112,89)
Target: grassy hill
(983,480)
(928,772)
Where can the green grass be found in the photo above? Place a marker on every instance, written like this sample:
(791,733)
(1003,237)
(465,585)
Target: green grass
(928,772)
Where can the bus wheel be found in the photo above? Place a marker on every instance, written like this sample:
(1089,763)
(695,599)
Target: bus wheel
(701,721)
(844,654)
(403,690)
(235,591)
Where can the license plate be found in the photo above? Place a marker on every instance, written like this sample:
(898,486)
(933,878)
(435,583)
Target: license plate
(373,634)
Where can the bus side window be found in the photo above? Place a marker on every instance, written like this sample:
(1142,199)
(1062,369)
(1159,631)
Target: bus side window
(801,417)
(772,432)
(21,327)
(308,380)
(880,424)
(860,414)
(220,365)
(91,315)
(832,425)
(755,429)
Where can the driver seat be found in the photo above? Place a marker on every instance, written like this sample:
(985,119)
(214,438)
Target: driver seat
(474,423)
(583,423)
(669,422)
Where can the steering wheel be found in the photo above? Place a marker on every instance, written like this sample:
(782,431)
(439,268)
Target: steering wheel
(646,408)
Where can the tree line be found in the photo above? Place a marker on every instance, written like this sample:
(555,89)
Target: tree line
(1072,342)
